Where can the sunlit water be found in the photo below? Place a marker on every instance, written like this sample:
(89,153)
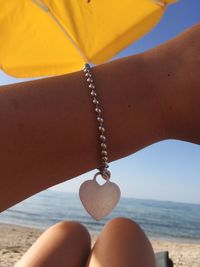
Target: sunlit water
(158,219)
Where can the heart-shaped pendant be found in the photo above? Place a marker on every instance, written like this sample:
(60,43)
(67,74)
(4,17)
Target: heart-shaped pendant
(99,200)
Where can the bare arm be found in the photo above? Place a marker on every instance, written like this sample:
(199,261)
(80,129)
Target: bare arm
(48,127)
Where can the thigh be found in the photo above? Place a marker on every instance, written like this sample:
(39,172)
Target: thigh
(122,243)
(66,244)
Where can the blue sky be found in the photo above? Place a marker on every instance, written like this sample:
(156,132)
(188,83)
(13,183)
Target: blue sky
(169,170)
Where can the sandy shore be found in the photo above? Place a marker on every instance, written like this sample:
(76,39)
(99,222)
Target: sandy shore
(15,240)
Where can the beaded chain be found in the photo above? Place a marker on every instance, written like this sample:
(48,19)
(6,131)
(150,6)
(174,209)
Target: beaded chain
(103,169)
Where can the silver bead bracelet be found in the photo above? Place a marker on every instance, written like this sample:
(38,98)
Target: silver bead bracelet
(103,169)
(99,200)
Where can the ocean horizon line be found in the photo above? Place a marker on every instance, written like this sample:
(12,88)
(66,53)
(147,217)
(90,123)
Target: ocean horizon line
(136,198)
(159,219)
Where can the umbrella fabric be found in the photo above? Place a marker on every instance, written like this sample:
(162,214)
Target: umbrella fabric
(52,37)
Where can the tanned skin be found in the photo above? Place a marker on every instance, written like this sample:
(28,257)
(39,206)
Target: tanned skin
(48,127)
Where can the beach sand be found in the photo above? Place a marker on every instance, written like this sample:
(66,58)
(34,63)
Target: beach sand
(15,240)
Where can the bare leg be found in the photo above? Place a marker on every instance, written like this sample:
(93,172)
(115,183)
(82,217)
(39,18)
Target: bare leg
(122,243)
(66,244)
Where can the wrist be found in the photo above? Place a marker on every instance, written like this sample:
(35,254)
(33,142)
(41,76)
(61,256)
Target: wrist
(163,74)
(176,64)
(154,79)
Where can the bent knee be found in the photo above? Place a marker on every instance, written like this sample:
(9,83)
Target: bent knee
(122,222)
(123,225)
(71,228)
(66,225)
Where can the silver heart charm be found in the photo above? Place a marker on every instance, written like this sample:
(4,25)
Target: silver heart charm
(99,200)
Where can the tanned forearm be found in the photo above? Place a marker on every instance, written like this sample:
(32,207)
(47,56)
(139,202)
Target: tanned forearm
(49,130)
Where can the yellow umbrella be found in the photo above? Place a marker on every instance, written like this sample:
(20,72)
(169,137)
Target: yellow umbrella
(52,37)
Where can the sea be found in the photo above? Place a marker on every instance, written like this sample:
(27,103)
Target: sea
(159,219)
